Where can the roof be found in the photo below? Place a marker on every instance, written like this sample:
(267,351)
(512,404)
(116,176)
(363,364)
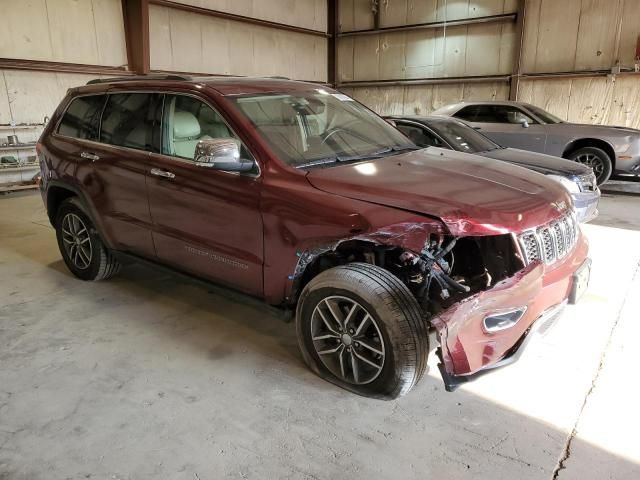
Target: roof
(454,107)
(223,85)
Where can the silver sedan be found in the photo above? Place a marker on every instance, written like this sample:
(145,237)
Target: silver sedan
(525,126)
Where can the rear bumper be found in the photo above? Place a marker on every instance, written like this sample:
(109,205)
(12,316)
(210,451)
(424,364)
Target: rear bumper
(466,348)
(586,205)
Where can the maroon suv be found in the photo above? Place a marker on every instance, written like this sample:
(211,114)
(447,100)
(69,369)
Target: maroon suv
(296,194)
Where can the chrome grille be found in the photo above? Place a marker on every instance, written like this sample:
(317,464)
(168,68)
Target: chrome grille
(549,242)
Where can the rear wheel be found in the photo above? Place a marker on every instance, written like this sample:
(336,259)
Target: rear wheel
(80,245)
(360,327)
(597,159)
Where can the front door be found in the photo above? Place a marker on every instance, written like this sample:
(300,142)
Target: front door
(205,221)
(506,125)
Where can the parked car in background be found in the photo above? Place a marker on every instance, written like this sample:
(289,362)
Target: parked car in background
(521,125)
(453,134)
(300,196)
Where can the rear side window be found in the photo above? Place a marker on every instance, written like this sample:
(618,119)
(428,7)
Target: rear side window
(132,120)
(82,118)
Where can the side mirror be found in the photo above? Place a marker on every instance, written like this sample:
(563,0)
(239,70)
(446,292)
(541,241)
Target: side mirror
(221,154)
(525,123)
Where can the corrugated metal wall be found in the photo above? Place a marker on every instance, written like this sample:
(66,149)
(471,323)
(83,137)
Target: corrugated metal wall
(559,36)
(190,42)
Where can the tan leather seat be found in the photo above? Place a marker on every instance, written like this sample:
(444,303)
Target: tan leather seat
(186,134)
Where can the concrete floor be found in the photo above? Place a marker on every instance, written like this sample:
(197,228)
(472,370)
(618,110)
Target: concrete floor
(148,377)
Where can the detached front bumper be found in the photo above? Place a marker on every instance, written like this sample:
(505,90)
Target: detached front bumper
(467,348)
(586,205)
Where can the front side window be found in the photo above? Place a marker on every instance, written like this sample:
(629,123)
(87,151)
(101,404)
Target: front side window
(186,121)
(82,118)
(132,120)
(319,128)
(420,136)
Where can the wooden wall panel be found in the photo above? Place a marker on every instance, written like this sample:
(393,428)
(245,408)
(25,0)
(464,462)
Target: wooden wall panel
(310,14)
(189,42)
(482,49)
(423,99)
(587,100)
(90,31)
(26,97)
(580,34)
(402,12)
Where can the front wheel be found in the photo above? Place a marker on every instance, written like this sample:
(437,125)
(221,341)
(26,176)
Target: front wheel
(360,328)
(597,159)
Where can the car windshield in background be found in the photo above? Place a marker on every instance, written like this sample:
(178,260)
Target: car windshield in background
(317,128)
(546,117)
(463,138)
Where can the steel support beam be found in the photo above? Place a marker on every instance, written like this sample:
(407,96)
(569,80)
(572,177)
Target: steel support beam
(509,17)
(136,30)
(425,81)
(516,72)
(59,67)
(333,26)
(238,18)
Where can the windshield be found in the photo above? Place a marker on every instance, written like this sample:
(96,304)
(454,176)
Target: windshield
(546,117)
(320,128)
(462,137)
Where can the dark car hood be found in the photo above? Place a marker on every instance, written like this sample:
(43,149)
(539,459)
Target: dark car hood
(472,195)
(539,162)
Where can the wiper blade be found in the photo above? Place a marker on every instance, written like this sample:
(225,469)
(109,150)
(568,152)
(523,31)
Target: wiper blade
(354,158)
(378,154)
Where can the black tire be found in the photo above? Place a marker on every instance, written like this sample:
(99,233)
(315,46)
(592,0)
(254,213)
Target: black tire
(100,263)
(597,159)
(397,316)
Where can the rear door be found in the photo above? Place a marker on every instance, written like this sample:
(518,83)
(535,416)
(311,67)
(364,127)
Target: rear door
(110,136)
(205,221)
(504,124)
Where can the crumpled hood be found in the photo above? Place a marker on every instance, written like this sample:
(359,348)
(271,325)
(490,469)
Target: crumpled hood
(539,162)
(472,195)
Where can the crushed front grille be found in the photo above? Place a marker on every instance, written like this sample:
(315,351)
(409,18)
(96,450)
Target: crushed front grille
(549,242)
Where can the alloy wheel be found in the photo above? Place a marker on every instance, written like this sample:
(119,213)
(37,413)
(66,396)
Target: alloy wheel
(76,241)
(347,340)
(593,161)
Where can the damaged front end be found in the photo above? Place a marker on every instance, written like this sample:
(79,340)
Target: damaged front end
(474,290)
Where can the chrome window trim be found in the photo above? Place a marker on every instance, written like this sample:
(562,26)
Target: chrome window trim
(159,92)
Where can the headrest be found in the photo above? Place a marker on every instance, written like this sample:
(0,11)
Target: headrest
(185,125)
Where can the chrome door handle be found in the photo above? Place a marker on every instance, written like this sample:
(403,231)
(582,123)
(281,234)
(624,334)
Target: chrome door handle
(90,156)
(162,173)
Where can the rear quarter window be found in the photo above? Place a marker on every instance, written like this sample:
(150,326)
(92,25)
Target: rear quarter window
(82,118)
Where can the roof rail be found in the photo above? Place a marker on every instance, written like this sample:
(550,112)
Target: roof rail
(132,78)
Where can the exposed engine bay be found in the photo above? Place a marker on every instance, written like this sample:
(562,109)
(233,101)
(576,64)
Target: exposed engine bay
(446,271)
